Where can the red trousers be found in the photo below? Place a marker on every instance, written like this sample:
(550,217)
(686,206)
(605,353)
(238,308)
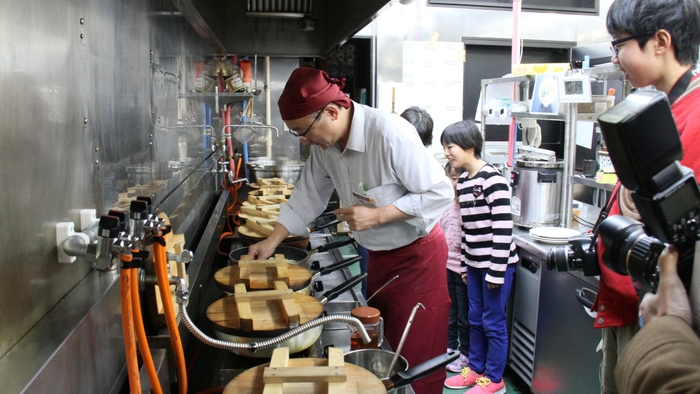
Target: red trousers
(421,267)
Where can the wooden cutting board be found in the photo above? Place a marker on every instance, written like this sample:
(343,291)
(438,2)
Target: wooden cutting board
(268,316)
(227,277)
(359,380)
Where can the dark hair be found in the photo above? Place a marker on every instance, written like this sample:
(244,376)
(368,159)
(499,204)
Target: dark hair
(681,18)
(465,134)
(422,121)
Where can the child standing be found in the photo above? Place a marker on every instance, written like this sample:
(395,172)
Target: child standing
(458,330)
(488,254)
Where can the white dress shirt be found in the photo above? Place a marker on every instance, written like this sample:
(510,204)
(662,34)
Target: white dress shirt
(384,161)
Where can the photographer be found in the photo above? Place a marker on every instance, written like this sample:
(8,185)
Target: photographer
(665,355)
(655,44)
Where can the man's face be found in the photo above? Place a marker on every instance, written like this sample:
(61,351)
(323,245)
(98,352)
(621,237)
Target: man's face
(314,129)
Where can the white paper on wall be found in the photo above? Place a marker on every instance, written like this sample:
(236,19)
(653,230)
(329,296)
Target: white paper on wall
(432,79)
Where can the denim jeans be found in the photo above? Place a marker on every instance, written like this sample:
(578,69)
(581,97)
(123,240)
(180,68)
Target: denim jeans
(458,332)
(488,345)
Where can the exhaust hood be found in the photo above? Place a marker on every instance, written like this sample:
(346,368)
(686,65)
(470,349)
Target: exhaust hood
(279,27)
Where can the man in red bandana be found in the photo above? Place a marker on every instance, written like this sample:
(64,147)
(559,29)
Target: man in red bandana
(393,193)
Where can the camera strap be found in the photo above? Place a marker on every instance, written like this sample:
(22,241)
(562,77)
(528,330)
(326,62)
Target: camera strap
(604,214)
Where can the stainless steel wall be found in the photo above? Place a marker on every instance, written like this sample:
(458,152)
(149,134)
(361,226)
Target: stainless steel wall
(84,84)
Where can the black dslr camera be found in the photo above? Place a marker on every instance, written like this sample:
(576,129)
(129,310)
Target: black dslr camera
(644,147)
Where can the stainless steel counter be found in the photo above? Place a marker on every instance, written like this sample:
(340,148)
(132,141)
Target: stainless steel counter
(547,317)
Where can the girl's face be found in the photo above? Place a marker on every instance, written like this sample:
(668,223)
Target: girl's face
(454,177)
(456,156)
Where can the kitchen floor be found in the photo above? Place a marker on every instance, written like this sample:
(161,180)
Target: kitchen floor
(514,383)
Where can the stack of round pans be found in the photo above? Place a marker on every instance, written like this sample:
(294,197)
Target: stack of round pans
(553,235)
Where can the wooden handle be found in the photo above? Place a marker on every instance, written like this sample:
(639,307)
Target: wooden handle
(264,295)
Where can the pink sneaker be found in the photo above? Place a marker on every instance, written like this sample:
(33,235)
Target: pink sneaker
(484,385)
(463,380)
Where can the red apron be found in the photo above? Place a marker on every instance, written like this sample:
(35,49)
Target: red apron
(421,267)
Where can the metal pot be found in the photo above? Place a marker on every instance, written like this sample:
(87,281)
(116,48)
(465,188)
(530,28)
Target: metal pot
(377,361)
(359,379)
(537,189)
(224,325)
(296,256)
(300,242)
(269,167)
(228,277)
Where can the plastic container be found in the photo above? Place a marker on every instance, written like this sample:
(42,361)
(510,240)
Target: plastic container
(371,319)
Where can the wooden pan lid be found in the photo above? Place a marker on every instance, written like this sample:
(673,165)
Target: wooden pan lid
(247,232)
(269,318)
(359,380)
(228,277)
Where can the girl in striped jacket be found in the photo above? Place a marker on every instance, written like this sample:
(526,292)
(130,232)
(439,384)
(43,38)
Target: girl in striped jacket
(488,257)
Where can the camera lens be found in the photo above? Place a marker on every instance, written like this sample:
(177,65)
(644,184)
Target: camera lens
(558,259)
(578,255)
(629,251)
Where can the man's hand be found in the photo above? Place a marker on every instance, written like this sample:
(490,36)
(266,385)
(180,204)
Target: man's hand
(670,298)
(264,249)
(358,217)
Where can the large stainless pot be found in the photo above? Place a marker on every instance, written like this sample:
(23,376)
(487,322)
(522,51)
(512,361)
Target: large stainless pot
(224,316)
(268,167)
(537,188)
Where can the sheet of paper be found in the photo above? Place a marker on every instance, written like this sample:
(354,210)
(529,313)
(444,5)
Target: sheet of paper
(584,133)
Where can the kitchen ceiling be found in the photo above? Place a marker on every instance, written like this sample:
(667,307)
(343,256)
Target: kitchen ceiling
(278,27)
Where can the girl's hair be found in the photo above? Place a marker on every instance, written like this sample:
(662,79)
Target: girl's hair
(465,134)
(458,170)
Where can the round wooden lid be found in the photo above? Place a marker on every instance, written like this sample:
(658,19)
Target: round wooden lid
(228,277)
(248,232)
(359,380)
(268,316)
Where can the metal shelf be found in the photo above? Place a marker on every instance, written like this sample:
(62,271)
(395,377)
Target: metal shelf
(590,182)
(530,115)
(210,98)
(511,79)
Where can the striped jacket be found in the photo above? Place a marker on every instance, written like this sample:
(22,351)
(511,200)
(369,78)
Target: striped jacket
(487,224)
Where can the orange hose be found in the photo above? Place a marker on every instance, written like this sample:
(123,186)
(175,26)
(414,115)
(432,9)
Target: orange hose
(141,334)
(132,363)
(163,276)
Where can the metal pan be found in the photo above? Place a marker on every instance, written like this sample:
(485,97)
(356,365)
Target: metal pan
(297,256)
(300,242)
(228,277)
(360,380)
(226,330)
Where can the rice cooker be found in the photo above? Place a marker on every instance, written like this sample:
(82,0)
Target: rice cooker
(536,188)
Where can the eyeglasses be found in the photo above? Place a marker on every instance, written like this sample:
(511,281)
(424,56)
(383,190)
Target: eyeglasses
(613,44)
(294,133)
